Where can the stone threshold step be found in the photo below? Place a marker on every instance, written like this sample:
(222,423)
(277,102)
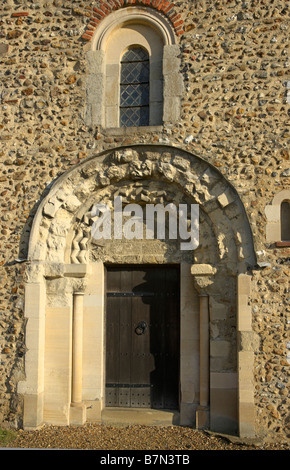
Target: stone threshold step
(140,416)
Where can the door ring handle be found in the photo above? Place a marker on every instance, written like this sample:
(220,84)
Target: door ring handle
(141,327)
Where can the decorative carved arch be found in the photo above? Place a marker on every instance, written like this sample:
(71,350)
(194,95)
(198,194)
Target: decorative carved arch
(61,229)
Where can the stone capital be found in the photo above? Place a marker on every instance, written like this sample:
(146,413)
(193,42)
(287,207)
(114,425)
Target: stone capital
(202,274)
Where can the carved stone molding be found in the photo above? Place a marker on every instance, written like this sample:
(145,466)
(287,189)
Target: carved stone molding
(61,228)
(203,276)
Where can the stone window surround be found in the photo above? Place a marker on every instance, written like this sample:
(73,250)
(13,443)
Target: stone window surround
(149,27)
(273,214)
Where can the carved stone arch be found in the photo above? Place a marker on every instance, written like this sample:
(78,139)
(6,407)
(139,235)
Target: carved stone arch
(71,198)
(66,281)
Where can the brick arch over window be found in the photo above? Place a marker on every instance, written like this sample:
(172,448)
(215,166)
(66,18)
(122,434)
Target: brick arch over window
(102,9)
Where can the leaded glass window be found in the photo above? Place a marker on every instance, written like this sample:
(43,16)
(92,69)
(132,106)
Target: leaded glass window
(134,88)
(285,221)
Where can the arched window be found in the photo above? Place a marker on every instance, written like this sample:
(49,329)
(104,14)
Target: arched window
(134,88)
(154,100)
(278,219)
(285,221)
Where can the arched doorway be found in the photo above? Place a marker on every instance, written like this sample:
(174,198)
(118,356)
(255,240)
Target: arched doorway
(67,284)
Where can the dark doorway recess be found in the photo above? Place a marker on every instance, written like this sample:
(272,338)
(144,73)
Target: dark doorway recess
(142,337)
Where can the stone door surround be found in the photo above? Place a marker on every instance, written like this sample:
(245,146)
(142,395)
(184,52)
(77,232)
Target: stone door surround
(64,299)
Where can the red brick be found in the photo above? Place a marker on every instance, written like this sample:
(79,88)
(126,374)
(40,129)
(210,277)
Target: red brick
(178,23)
(116,5)
(86,37)
(167,9)
(180,28)
(94,21)
(165,5)
(99,12)
(20,13)
(98,16)
(105,9)
(174,16)
(111,4)
(160,6)
(95,17)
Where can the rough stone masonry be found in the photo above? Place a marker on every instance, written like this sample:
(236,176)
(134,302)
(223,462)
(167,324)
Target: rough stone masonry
(234,61)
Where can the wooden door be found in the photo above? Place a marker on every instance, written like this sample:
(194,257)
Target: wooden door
(142,337)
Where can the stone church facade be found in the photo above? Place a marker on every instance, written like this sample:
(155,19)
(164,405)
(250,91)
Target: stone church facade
(154,103)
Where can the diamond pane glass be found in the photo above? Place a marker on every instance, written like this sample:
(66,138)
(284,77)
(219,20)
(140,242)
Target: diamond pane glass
(135,72)
(138,116)
(134,88)
(135,54)
(134,95)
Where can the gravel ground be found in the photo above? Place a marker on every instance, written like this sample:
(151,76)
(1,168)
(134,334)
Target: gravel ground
(104,437)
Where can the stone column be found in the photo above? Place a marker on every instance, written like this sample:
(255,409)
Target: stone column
(202,412)
(202,279)
(77,348)
(77,414)
(204,351)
